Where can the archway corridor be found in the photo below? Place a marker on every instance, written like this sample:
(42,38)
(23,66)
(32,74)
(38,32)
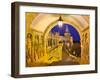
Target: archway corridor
(49,43)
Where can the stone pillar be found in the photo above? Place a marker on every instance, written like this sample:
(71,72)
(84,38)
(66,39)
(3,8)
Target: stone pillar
(85,47)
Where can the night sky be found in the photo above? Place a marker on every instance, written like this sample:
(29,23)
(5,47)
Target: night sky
(62,30)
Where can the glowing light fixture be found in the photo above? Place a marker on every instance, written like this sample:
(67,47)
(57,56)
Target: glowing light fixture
(60,23)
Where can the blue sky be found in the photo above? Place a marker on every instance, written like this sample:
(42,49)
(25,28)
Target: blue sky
(62,30)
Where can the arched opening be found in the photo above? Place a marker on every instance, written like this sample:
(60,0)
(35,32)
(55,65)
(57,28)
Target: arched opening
(63,44)
(44,50)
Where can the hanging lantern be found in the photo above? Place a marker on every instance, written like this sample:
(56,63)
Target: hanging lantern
(60,23)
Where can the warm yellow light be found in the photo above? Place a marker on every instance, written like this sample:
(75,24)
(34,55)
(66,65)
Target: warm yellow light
(60,23)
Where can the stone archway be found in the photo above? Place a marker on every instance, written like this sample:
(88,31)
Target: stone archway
(55,23)
(52,21)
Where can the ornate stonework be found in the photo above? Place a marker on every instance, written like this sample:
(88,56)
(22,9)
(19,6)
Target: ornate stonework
(41,50)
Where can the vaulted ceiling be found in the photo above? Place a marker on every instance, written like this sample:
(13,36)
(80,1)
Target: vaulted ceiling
(42,21)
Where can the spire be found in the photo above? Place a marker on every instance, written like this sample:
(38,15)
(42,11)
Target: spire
(67,30)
